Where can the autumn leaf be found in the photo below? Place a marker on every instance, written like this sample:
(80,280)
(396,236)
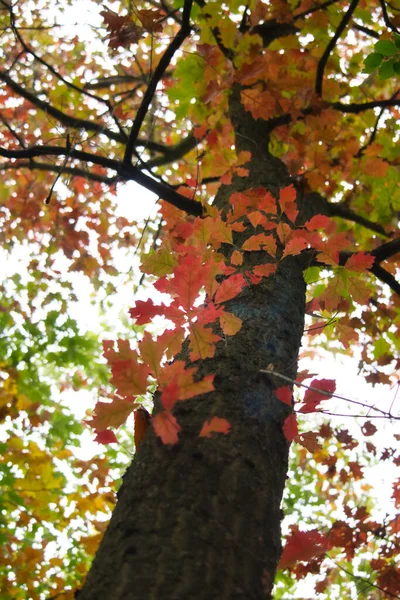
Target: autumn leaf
(151,19)
(166,427)
(151,352)
(202,341)
(360,261)
(309,440)
(230,323)
(260,241)
(216,425)
(290,428)
(318,222)
(159,263)
(230,288)
(111,414)
(302,546)
(322,390)
(264,270)
(287,197)
(142,421)
(105,437)
(284,394)
(122,31)
(295,246)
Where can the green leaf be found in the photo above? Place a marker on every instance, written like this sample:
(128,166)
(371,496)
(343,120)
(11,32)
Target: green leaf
(386,47)
(386,70)
(396,37)
(396,67)
(372,61)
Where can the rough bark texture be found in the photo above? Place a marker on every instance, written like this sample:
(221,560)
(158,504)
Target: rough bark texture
(201,519)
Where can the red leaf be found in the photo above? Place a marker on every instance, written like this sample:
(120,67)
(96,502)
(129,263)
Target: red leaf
(295,246)
(216,425)
(326,386)
(290,428)
(166,427)
(302,546)
(284,394)
(230,288)
(106,437)
(264,270)
(359,262)
(145,310)
(287,198)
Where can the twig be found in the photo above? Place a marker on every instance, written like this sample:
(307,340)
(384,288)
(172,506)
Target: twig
(323,392)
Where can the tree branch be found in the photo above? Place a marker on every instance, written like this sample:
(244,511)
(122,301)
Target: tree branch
(324,58)
(52,168)
(355,108)
(387,250)
(124,172)
(170,153)
(58,75)
(383,275)
(64,118)
(157,76)
(388,22)
(340,210)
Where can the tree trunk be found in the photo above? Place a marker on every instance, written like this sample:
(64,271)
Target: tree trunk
(201,519)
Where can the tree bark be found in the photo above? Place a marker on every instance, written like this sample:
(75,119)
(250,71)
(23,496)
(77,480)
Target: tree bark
(201,519)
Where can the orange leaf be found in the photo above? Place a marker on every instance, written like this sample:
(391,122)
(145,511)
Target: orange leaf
(202,341)
(261,241)
(166,427)
(216,425)
(230,323)
(111,414)
(230,288)
(142,422)
(295,246)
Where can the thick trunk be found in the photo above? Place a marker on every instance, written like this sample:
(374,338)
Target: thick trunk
(201,519)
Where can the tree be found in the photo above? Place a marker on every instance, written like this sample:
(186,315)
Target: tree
(275,159)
